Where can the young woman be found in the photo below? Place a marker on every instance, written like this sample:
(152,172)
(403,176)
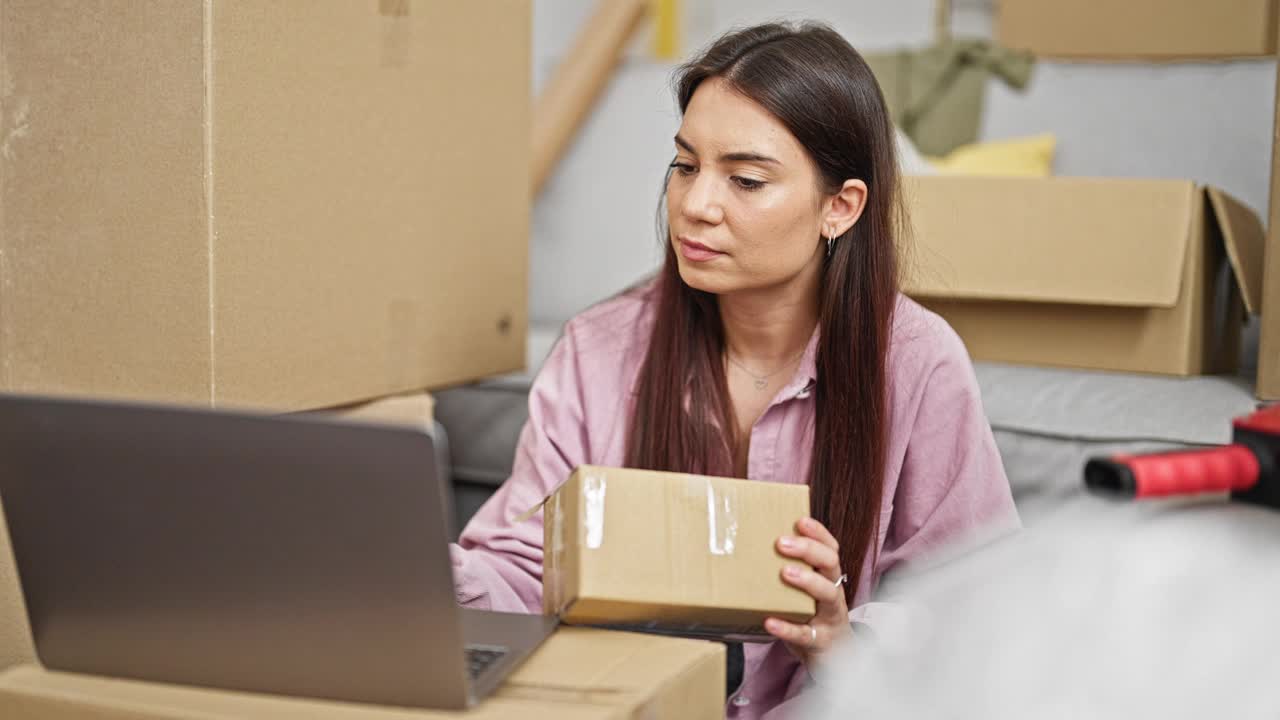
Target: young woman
(773,345)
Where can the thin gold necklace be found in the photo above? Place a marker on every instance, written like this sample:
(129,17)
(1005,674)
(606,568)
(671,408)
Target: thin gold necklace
(761,381)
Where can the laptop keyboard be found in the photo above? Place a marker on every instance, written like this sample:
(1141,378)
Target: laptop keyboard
(480,658)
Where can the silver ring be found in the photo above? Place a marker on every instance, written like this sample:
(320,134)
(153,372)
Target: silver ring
(844,578)
(813,636)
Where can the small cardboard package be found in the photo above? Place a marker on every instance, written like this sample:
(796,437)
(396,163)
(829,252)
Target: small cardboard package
(283,206)
(668,552)
(1138,29)
(1113,274)
(577,674)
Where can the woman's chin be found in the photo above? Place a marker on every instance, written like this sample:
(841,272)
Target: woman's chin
(705,279)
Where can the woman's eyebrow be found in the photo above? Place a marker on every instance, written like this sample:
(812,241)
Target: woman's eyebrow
(731,156)
(748,157)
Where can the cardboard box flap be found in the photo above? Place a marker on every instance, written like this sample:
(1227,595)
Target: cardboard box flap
(1245,240)
(1052,240)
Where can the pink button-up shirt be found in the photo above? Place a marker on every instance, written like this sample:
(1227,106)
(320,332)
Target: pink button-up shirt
(943,477)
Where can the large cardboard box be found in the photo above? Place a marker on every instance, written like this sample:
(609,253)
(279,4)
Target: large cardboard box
(1112,274)
(578,674)
(1269,343)
(668,552)
(279,205)
(1138,29)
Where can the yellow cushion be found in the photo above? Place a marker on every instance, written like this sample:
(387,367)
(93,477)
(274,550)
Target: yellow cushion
(1025,157)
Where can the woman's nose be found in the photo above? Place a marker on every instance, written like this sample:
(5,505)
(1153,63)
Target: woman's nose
(701,201)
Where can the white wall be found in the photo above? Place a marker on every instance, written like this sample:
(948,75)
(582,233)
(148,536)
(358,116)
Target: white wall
(593,226)
(1209,122)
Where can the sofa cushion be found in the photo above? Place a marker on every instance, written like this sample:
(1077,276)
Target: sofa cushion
(1049,422)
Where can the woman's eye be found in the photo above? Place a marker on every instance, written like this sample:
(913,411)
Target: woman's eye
(747,183)
(683,168)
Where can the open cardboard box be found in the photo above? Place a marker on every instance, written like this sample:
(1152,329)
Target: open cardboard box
(669,552)
(1138,29)
(1115,274)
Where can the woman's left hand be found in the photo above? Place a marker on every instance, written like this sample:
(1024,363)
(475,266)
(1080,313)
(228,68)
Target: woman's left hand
(817,548)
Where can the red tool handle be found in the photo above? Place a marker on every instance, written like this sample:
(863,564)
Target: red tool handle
(1184,472)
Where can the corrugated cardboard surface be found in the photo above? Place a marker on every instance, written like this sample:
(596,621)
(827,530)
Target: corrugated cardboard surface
(577,674)
(1096,273)
(1136,29)
(274,205)
(15,632)
(1069,240)
(103,236)
(679,553)
(1269,344)
(416,410)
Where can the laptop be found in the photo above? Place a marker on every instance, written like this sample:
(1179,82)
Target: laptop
(288,555)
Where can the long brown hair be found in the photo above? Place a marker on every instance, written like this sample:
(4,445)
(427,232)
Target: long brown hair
(820,88)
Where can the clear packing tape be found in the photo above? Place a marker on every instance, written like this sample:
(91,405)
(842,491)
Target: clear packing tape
(722,523)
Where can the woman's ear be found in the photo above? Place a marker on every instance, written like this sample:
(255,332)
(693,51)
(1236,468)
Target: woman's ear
(844,208)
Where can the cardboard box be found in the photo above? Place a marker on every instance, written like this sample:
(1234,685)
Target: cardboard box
(277,205)
(667,552)
(1110,274)
(578,674)
(1138,29)
(15,632)
(1268,387)
(414,409)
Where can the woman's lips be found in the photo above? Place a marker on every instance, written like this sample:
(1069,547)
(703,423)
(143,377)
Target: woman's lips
(697,252)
